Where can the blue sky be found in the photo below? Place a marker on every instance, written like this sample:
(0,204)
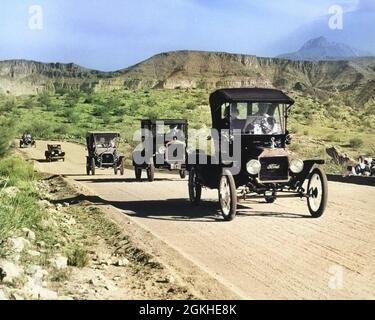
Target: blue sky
(113,34)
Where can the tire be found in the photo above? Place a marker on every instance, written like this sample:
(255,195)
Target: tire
(182,174)
(92,166)
(317,190)
(122,167)
(138,173)
(228,196)
(151,172)
(195,188)
(270,199)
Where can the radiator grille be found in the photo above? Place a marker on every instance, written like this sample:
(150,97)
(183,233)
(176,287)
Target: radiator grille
(175,153)
(274,169)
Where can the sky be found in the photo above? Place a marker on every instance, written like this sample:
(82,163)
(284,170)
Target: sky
(113,34)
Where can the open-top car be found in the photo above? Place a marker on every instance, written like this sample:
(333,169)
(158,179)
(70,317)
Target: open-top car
(252,122)
(167,141)
(54,153)
(27,140)
(103,152)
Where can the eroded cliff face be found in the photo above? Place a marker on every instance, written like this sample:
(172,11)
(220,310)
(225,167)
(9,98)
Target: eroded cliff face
(29,77)
(195,69)
(192,69)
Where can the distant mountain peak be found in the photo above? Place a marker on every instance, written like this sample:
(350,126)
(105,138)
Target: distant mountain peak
(322,49)
(315,43)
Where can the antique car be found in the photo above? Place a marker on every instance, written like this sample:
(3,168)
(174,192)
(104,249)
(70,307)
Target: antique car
(27,140)
(54,153)
(252,122)
(167,141)
(103,152)
(364,167)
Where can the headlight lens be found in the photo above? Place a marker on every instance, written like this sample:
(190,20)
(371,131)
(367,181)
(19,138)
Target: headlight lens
(253,167)
(189,150)
(162,149)
(296,166)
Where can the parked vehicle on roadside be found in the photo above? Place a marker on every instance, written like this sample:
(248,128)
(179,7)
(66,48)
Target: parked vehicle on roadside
(168,146)
(256,119)
(103,152)
(27,140)
(364,167)
(54,153)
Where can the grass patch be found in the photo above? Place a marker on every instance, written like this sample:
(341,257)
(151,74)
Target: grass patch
(355,143)
(78,257)
(19,208)
(60,275)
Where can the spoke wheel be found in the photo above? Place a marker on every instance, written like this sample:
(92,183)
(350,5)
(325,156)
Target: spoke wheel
(195,188)
(270,199)
(122,167)
(151,172)
(228,196)
(182,174)
(317,190)
(92,166)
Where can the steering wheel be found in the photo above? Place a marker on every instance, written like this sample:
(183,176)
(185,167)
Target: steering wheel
(267,125)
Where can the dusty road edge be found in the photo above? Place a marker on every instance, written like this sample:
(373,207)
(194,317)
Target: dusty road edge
(199,282)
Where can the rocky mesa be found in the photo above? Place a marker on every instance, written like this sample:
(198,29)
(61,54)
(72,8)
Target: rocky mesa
(197,69)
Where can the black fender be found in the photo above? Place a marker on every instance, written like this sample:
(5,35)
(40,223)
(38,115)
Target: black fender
(308,165)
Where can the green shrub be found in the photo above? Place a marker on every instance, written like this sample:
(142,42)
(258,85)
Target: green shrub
(40,128)
(21,209)
(6,135)
(8,105)
(44,100)
(78,257)
(16,171)
(355,143)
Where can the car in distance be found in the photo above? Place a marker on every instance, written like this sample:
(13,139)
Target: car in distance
(257,119)
(54,153)
(27,140)
(103,152)
(168,143)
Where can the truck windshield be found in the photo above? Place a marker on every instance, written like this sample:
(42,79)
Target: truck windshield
(106,140)
(256,118)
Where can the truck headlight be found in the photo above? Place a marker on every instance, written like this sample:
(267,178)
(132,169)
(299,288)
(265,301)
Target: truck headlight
(296,166)
(162,149)
(253,167)
(189,150)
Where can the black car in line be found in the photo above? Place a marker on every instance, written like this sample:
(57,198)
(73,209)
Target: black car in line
(103,152)
(168,144)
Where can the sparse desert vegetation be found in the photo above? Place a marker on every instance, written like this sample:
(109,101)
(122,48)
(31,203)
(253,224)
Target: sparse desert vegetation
(68,115)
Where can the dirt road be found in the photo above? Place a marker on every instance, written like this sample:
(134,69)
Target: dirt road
(269,251)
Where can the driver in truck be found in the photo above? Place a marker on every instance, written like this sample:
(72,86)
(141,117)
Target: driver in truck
(262,122)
